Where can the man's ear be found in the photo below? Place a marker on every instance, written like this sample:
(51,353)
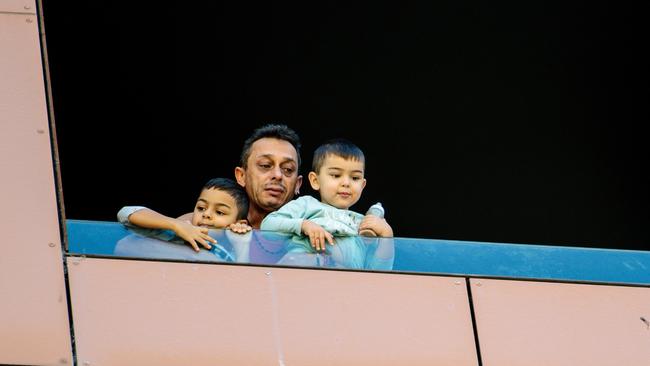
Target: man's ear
(313,181)
(240,176)
(298,185)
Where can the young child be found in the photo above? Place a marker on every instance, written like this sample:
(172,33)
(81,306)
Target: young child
(338,175)
(222,204)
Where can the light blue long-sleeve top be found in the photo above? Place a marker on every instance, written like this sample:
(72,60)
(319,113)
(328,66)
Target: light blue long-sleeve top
(288,218)
(349,250)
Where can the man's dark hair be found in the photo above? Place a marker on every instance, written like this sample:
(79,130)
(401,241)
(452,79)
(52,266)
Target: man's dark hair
(236,191)
(277,131)
(339,147)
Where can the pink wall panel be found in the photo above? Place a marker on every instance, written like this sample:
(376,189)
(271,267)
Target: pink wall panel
(34,327)
(537,323)
(18,6)
(145,313)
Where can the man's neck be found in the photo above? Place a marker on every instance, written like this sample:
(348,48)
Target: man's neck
(255,216)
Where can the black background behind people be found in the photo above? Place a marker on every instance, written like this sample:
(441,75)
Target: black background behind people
(501,122)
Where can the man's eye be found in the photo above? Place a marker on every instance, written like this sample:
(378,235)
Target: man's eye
(220,213)
(356,178)
(265,166)
(335,175)
(288,171)
(198,208)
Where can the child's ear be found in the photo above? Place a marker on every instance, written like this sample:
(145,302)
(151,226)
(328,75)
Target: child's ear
(313,181)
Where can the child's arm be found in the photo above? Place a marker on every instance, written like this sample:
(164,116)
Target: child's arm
(144,217)
(383,256)
(290,218)
(377,224)
(317,235)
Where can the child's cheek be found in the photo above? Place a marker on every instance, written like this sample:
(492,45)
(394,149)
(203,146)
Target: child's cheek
(196,219)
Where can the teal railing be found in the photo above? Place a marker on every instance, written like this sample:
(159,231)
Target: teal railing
(404,255)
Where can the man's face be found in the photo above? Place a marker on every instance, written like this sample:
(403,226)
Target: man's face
(271,176)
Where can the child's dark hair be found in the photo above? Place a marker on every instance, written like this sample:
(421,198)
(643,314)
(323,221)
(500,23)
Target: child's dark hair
(233,189)
(339,147)
(276,131)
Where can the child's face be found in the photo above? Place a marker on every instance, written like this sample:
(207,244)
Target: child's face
(214,209)
(339,181)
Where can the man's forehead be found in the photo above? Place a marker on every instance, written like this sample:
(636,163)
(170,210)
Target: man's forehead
(273,148)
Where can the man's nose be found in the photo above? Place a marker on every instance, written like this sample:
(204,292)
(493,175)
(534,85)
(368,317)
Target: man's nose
(277,172)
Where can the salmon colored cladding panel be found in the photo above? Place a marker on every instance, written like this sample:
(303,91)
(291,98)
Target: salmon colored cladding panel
(539,323)
(130,312)
(18,6)
(34,327)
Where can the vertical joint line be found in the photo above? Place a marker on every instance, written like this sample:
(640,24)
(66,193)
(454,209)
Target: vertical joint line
(475,329)
(73,343)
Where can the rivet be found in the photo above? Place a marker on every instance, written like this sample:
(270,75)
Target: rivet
(40,131)
(51,245)
(268,273)
(63,360)
(457,282)
(28,20)
(86,363)
(479,284)
(27,7)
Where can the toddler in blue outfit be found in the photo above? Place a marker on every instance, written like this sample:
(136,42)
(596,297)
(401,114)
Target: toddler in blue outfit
(338,176)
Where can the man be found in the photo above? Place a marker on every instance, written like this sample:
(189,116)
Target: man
(268,172)
(270,161)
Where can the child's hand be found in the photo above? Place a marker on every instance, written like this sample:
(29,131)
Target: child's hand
(376,224)
(317,235)
(240,227)
(193,234)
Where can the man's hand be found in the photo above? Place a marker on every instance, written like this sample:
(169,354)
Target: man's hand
(376,224)
(240,227)
(317,235)
(193,234)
